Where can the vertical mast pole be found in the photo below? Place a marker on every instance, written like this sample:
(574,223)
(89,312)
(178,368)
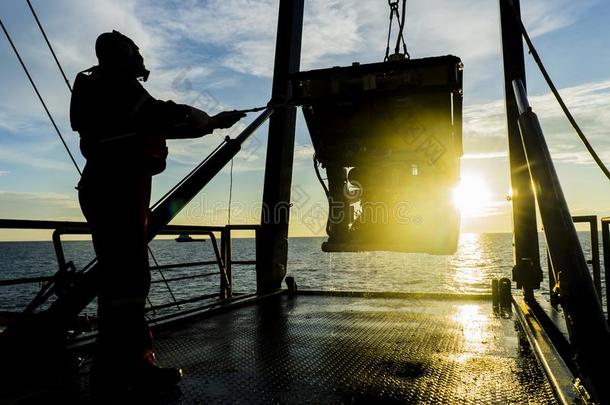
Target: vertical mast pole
(526,271)
(272,244)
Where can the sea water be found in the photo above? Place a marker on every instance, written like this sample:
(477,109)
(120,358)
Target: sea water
(479,259)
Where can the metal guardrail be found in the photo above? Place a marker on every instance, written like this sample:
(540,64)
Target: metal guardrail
(605,221)
(24,280)
(223,258)
(594,261)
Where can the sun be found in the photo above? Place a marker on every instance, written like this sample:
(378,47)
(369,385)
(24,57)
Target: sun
(472,195)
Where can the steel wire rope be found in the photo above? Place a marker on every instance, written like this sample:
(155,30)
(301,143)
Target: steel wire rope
(230,193)
(394,6)
(387,49)
(55,126)
(185,178)
(44,105)
(41,28)
(44,34)
(549,81)
(169,289)
(401,25)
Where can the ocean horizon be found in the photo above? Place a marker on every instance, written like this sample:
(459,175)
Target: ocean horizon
(479,259)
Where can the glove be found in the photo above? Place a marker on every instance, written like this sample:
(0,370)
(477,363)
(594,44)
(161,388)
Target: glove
(226,119)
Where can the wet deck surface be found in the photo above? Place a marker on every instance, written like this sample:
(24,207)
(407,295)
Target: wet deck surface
(354,350)
(322,349)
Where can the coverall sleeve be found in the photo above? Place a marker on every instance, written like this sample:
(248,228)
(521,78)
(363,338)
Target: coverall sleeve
(166,118)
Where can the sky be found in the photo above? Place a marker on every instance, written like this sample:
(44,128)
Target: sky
(218,55)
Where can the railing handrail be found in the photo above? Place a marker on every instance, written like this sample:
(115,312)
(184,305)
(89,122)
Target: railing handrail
(223,255)
(74,227)
(39,224)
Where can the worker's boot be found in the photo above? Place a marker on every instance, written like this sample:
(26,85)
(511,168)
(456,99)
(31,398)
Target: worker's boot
(109,383)
(149,376)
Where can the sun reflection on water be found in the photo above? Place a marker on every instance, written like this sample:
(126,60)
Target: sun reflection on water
(467,264)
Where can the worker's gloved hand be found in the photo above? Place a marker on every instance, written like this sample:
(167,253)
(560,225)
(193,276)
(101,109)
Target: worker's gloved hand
(226,119)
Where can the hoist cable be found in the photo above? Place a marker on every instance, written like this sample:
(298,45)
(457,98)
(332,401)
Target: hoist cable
(387,49)
(230,193)
(44,34)
(171,293)
(401,26)
(55,126)
(401,21)
(549,81)
(25,69)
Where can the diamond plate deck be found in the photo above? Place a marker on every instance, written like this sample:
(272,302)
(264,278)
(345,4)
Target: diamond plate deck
(355,350)
(331,349)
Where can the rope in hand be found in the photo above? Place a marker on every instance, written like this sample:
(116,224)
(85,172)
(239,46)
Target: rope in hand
(33,11)
(25,69)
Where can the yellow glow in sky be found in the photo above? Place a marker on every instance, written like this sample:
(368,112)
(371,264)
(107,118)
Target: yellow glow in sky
(472,195)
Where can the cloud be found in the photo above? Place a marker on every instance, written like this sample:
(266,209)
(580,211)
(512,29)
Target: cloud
(236,32)
(243,31)
(196,53)
(35,155)
(484,155)
(59,199)
(14,122)
(43,205)
(543,16)
(205,38)
(193,151)
(485,124)
(303,152)
(240,34)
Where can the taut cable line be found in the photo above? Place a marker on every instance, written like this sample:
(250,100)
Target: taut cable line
(549,81)
(25,69)
(44,34)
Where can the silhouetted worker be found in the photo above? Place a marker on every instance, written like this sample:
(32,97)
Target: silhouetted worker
(114,193)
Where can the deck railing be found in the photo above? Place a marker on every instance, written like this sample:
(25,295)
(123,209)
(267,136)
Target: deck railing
(606,252)
(593,261)
(219,237)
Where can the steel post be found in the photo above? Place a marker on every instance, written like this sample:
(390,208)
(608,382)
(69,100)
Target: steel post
(606,250)
(272,248)
(594,240)
(527,271)
(589,334)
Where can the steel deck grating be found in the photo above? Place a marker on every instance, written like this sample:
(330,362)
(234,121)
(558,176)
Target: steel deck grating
(355,350)
(329,349)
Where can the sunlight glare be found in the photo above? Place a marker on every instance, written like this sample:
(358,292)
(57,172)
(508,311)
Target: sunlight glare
(476,330)
(472,195)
